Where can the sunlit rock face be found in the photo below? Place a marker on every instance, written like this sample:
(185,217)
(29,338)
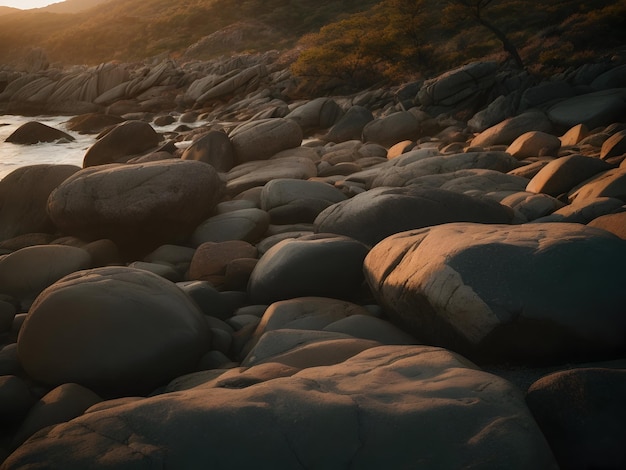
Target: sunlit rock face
(142,205)
(115,330)
(386,407)
(530,293)
(505,132)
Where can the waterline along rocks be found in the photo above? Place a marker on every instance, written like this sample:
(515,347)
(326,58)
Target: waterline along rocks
(426,276)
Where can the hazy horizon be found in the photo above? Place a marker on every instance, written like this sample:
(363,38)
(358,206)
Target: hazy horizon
(27,4)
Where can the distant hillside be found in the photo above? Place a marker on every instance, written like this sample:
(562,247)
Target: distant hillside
(559,33)
(72,6)
(7,10)
(134,29)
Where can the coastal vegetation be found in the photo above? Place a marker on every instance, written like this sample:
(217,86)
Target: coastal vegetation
(360,43)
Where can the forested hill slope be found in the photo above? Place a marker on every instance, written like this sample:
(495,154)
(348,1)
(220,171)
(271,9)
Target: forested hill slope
(134,29)
(360,41)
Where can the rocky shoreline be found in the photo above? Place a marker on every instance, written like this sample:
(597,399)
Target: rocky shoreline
(426,276)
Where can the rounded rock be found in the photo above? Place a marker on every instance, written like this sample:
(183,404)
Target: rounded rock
(115,330)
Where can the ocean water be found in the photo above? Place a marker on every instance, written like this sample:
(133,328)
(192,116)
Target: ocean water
(13,156)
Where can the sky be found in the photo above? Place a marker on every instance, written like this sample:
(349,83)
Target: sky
(26,4)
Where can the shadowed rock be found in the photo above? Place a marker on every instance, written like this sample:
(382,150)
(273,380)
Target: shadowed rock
(358,413)
(115,330)
(122,142)
(34,132)
(24,198)
(371,216)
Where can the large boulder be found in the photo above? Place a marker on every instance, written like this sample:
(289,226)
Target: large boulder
(305,348)
(497,293)
(611,183)
(375,214)
(596,109)
(350,125)
(213,148)
(614,146)
(259,140)
(584,211)
(124,141)
(510,129)
(583,416)
(258,173)
(93,123)
(324,265)
(24,198)
(390,130)
(317,114)
(379,409)
(115,330)
(534,144)
(25,273)
(456,86)
(291,201)
(406,170)
(142,206)
(614,223)
(562,174)
(34,132)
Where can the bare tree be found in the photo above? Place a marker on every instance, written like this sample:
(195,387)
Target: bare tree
(475,9)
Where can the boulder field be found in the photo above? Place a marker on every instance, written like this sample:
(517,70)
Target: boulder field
(432,279)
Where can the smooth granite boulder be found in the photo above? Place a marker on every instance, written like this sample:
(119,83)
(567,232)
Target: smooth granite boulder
(65,402)
(317,114)
(350,125)
(303,313)
(597,109)
(614,223)
(375,214)
(34,132)
(584,211)
(121,143)
(252,174)
(25,273)
(115,330)
(324,265)
(531,293)
(456,86)
(404,170)
(24,198)
(510,129)
(290,201)
(93,123)
(387,407)
(259,140)
(141,206)
(213,148)
(562,174)
(583,416)
(244,224)
(611,183)
(534,144)
(305,348)
(390,130)
(614,146)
